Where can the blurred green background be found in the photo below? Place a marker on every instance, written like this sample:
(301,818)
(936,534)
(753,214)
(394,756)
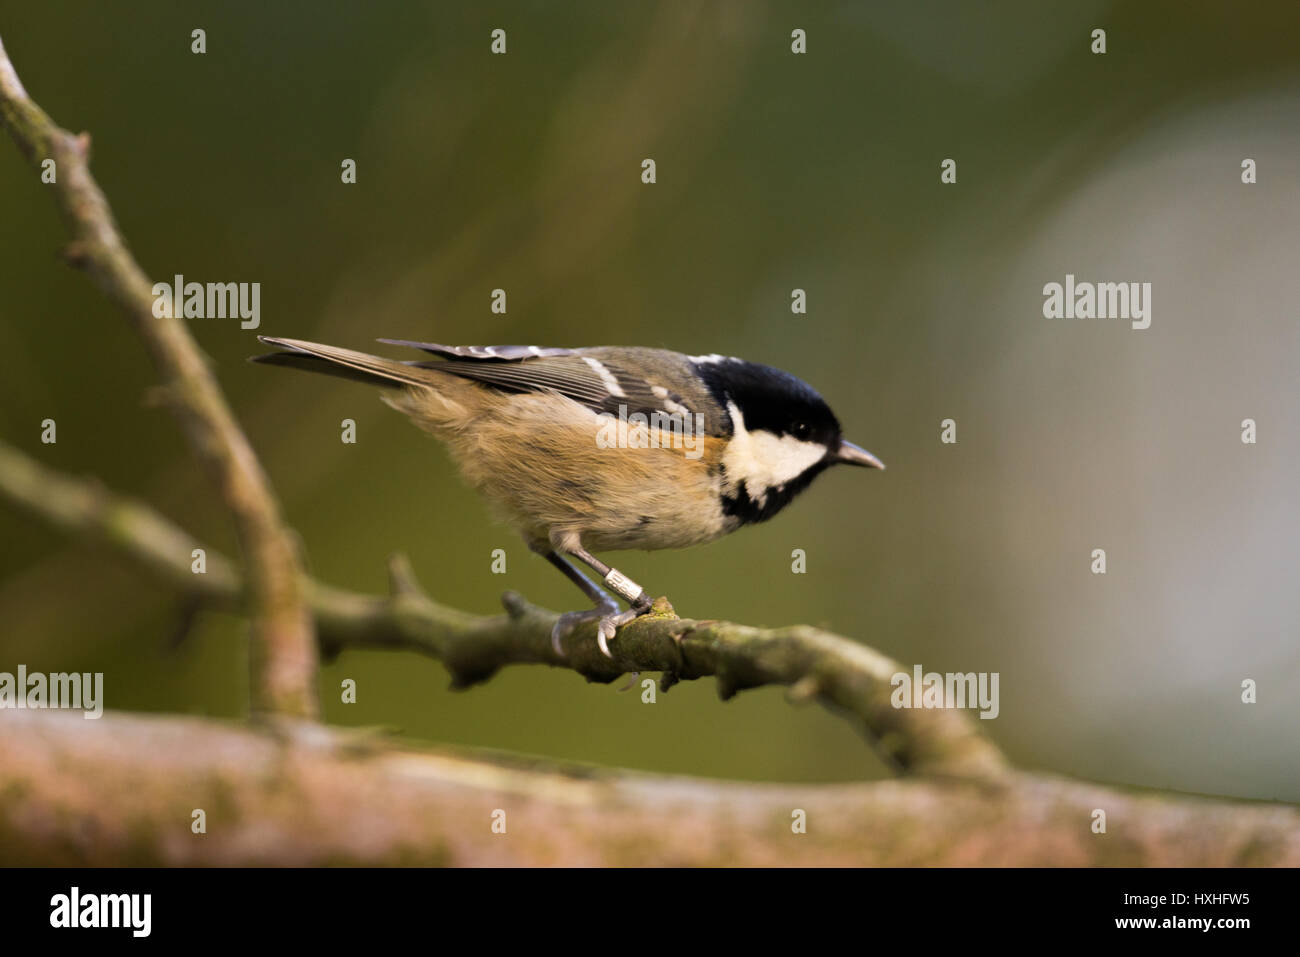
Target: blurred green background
(775,171)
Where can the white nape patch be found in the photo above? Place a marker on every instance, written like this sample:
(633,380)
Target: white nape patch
(712,357)
(607,377)
(764,460)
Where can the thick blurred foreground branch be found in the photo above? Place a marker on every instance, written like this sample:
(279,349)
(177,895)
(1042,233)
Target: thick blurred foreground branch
(816,665)
(124,789)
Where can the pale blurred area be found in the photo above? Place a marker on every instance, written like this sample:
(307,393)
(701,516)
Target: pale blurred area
(775,171)
(1096,435)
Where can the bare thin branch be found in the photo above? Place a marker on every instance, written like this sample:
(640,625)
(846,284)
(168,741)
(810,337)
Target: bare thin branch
(283,643)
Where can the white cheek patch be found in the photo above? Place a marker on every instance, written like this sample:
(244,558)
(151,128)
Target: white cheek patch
(784,457)
(763,460)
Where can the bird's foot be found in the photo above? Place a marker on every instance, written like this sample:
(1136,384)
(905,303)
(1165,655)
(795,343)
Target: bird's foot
(612,623)
(608,621)
(570,620)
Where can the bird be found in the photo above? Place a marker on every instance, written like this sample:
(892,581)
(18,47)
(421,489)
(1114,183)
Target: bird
(584,450)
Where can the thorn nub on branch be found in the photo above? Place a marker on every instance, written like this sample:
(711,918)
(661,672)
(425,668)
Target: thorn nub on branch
(515,604)
(401,576)
(804,690)
(75,254)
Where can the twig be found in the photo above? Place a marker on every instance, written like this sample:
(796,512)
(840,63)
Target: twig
(283,644)
(842,674)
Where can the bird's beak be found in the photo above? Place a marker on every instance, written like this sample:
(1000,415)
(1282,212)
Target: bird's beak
(850,454)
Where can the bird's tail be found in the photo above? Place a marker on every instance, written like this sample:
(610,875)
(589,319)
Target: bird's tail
(345,363)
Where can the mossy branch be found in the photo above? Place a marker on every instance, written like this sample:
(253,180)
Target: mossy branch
(816,665)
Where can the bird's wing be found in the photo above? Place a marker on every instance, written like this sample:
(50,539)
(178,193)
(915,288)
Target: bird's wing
(592,377)
(485,353)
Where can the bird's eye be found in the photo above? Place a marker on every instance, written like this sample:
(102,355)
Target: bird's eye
(801,430)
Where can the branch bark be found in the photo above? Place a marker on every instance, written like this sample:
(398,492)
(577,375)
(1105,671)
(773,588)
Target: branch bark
(122,790)
(845,676)
(283,644)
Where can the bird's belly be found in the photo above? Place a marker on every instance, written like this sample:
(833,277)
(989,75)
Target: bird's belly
(654,522)
(613,498)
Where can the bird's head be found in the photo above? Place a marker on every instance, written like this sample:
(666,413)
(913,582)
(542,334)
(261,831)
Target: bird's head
(783,435)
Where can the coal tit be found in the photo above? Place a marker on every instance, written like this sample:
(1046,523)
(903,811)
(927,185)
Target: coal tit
(607,448)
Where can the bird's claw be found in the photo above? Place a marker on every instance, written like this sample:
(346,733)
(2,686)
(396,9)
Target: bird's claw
(612,623)
(571,620)
(604,631)
(607,625)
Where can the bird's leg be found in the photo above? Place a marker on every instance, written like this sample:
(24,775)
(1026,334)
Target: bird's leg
(605,606)
(629,590)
